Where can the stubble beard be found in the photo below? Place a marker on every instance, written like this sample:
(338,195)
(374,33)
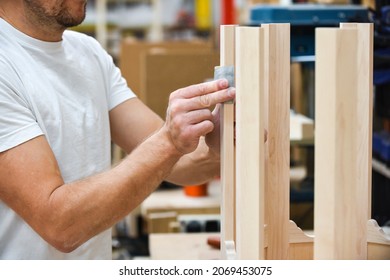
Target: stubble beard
(60,18)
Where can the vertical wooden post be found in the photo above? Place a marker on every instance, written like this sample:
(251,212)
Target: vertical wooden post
(228,213)
(365,96)
(342,142)
(277,190)
(250,174)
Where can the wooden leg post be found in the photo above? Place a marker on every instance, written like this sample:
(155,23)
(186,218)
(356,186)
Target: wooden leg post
(228,218)
(255,212)
(277,92)
(344,105)
(250,173)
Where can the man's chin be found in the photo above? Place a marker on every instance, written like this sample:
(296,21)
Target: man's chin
(68,21)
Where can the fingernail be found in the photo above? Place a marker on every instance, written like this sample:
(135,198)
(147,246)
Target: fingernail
(232,91)
(223,83)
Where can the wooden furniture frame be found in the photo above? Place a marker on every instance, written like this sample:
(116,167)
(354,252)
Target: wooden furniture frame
(255,173)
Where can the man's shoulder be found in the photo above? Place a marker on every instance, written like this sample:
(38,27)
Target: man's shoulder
(9,54)
(7,67)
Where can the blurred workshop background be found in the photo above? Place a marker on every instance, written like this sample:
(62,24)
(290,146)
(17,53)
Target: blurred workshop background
(162,45)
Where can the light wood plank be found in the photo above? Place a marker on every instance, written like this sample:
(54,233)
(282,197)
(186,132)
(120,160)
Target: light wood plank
(378,242)
(228,217)
(249,143)
(301,251)
(182,246)
(341,204)
(300,244)
(365,95)
(277,80)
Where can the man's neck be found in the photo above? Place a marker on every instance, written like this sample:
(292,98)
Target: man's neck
(21,19)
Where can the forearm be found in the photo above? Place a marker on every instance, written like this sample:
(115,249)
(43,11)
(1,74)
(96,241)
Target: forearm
(198,167)
(84,208)
(67,215)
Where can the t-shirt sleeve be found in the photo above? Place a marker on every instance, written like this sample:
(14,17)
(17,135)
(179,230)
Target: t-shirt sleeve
(17,122)
(118,89)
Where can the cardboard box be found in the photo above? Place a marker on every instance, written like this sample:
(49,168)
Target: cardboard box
(132,57)
(165,71)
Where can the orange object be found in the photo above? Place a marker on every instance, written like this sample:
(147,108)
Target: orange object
(214,241)
(228,12)
(196,190)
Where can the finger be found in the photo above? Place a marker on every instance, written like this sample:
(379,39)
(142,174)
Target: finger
(204,101)
(202,128)
(211,99)
(197,116)
(216,114)
(216,111)
(202,89)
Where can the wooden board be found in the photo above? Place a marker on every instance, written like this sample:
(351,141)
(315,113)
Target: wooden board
(277,168)
(159,222)
(228,217)
(365,103)
(182,246)
(301,127)
(341,144)
(378,242)
(250,175)
(300,243)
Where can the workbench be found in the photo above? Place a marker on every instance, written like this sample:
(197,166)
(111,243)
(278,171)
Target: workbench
(161,209)
(183,246)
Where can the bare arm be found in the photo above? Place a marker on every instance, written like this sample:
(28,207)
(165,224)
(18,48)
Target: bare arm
(67,215)
(193,168)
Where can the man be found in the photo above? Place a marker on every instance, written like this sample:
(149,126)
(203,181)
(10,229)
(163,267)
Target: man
(61,98)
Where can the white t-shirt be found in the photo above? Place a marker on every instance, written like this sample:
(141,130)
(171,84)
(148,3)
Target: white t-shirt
(64,91)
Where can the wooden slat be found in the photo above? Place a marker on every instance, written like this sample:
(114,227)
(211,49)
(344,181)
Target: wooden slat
(341,192)
(300,244)
(228,217)
(376,233)
(365,95)
(249,143)
(378,242)
(277,82)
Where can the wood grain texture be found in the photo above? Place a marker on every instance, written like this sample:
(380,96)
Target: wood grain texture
(365,103)
(300,244)
(341,143)
(378,242)
(250,173)
(277,168)
(228,213)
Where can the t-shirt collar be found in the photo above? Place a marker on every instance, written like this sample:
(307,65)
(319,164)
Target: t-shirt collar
(26,40)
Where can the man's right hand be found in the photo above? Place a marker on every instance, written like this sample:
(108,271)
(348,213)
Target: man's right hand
(189,116)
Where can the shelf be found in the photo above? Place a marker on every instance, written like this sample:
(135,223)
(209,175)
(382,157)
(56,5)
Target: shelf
(380,168)
(302,142)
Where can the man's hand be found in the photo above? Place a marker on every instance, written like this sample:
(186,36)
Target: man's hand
(189,116)
(213,138)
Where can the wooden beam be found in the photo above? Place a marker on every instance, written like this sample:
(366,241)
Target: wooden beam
(250,173)
(365,94)
(342,142)
(228,213)
(277,118)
